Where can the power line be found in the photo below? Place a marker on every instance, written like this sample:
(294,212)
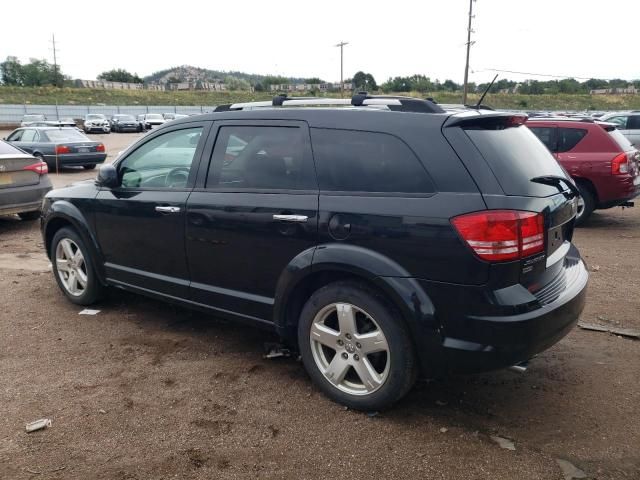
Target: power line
(538,74)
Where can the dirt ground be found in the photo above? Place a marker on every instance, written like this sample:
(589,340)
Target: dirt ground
(145,390)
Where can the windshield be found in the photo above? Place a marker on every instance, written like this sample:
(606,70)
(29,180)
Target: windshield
(622,141)
(126,118)
(516,155)
(71,135)
(5,149)
(95,116)
(154,116)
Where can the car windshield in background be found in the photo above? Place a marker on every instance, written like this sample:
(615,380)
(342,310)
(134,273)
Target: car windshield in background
(515,155)
(154,116)
(95,117)
(70,135)
(622,141)
(126,118)
(6,149)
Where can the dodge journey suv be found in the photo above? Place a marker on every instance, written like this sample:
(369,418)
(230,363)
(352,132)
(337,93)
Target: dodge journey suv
(382,238)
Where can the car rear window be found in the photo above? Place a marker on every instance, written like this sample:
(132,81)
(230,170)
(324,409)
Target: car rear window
(622,141)
(568,138)
(66,136)
(6,149)
(515,156)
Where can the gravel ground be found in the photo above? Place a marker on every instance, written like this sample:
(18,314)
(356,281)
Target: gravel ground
(144,390)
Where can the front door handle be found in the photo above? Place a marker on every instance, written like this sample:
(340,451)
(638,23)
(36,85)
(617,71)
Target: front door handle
(291,218)
(168,209)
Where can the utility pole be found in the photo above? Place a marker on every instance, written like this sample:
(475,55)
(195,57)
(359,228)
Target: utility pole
(466,66)
(341,45)
(55,60)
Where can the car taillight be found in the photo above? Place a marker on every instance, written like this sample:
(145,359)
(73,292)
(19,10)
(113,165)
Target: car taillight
(502,235)
(620,164)
(62,149)
(40,168)
(100,148)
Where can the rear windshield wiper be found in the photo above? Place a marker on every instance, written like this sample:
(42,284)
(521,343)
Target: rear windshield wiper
(556,181)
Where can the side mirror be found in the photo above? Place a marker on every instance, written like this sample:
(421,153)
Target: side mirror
(107,176)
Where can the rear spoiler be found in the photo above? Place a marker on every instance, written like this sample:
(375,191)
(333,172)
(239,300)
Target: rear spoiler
(489,120)
(609,127)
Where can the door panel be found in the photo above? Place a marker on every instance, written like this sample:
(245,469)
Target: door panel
(256,211)
(140,225)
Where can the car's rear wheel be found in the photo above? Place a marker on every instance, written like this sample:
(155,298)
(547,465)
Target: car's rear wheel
(586,204)
(73,268)
(355,347)
(34,215)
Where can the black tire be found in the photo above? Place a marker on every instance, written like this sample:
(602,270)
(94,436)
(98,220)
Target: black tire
(91,166)
(589,204)
(93,290)
(402,368)
(34,215)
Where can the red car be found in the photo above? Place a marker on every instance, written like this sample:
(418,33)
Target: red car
(598,157)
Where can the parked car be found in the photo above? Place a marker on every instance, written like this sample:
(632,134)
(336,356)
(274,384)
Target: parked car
(173,116)
(141,122)
(29,119)
(55,123)
(598,157)
(124,123)
(96,122)
(23,182)
(379,244)
(153,120)
(59,146)
(628,123)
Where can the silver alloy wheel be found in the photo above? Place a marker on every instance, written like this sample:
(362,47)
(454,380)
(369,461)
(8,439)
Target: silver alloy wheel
(71,267)
(355,357)
(580,209)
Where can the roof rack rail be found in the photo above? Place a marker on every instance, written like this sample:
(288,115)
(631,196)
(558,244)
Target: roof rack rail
(361,99)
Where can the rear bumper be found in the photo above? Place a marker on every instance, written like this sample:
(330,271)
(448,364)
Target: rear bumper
(617,189)
(23,199)
(75,159)
(474,343)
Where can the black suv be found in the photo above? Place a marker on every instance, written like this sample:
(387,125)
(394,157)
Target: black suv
(383,239)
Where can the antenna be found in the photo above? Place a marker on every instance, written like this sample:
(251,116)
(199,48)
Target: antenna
(485,92)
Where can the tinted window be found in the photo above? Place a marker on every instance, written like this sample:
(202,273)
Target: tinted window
(620,121)
(162,162)
(568,138)
(262,158)
(65,136)
(516,156)
(634,122)
(29,136)
(546,136)
(353,161)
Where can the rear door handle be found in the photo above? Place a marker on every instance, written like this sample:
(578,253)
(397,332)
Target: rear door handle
(291,218)
(168,209)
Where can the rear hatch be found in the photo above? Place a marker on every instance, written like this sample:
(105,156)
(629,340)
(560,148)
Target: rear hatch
(73,141)
(633,156)
(517,175)
(17,168)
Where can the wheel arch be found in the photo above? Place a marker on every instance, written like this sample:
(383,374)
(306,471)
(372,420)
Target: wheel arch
(590,186)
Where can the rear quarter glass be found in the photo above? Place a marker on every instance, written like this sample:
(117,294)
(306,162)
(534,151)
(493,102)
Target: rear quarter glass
(515,156)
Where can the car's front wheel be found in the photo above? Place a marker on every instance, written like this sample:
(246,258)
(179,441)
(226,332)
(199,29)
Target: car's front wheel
(73,267)
(355,347)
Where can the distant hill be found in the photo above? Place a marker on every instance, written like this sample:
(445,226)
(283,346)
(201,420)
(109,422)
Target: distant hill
(188,73)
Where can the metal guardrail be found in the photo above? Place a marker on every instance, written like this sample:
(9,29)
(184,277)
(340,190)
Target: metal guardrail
(10,115)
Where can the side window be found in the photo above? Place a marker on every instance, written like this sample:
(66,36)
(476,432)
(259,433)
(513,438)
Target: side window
(15,136)
(29,136)
(355,161)
(256,157)
(163,162)
(546,135)
(620,121)
(634,122)
(568,138)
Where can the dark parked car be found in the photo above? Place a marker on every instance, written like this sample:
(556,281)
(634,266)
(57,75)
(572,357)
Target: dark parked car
(598,157)
(124,123)
(59,146)
(23,182)
(381,243)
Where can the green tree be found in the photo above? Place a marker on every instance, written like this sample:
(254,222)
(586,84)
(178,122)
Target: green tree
(364,81)
(11,71)
(450,86)
(313,80)
(234,83)
(119,75)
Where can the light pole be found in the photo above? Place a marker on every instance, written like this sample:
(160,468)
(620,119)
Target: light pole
(466,66)
(341,45)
